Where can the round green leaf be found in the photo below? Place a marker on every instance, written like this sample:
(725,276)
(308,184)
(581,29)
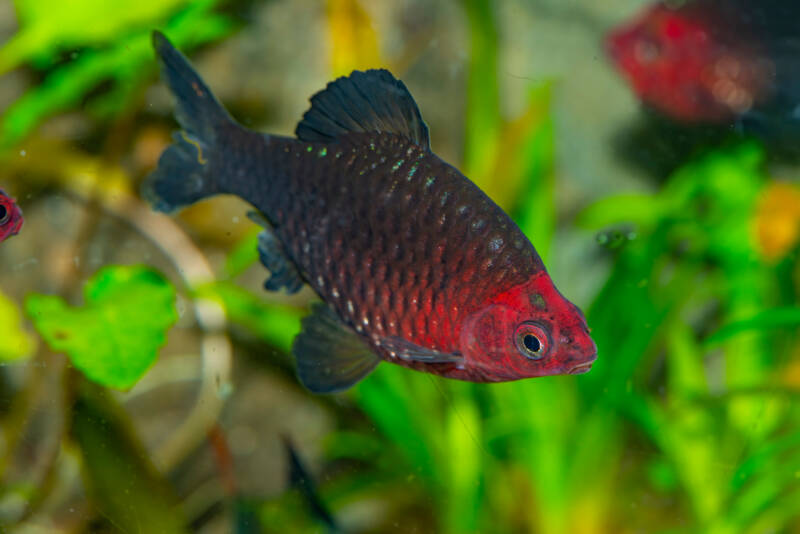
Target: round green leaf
(115,336)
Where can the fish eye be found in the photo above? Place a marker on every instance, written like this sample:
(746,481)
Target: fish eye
(532,343)
(4,214)
(532,340)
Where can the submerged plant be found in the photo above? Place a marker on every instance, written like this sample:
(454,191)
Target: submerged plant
(687,423)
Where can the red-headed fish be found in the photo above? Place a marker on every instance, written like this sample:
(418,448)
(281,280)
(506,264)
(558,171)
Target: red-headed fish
(10,216)
(415,265)
(714,61)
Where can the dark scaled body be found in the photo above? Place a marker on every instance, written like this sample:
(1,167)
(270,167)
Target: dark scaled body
(409,256)
(388,234)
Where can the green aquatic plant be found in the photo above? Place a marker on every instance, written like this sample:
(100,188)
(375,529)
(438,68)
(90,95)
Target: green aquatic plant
(273,323)
(657,396)
(17,342)
(656,378)
(48,27)
(688,421)
(115,336)
(118,473)
(107,42)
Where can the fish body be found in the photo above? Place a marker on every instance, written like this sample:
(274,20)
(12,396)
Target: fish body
(714,61)
(414,263)
(10,217)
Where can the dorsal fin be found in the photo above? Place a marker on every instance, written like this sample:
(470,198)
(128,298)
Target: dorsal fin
(371,101)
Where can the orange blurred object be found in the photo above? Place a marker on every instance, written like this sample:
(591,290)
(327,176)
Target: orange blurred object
(777,220)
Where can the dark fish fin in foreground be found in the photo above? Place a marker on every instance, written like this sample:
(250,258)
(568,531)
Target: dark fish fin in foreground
(330,356)
(246,519)
(371,101)
(406,350)
(300,478)
(283,271)
(184,172)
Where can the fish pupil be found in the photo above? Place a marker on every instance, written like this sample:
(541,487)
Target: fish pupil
(532,343)
(3,214)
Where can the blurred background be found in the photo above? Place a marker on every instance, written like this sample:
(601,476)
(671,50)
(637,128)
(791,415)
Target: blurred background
(676,234)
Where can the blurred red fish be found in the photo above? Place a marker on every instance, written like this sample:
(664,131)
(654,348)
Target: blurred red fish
(713,61)
(10,217)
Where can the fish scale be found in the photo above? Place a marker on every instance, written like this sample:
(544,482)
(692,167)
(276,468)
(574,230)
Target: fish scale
(414,263)
(359,193)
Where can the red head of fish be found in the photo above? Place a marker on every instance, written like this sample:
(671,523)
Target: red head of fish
(10,217)
(696,63)
(529,330)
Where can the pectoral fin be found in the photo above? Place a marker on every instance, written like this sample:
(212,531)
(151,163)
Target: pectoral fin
(406,350)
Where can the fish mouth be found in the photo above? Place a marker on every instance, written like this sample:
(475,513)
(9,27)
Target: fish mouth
(582,368)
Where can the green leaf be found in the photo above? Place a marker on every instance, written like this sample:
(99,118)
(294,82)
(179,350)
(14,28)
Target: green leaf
(243,255)
(17,343)
(462,430)
(634,208)
(768,319)
(115,336)
(534,211)
(126,489)
(403,406)
(47,26)
(126,61)
(483,99)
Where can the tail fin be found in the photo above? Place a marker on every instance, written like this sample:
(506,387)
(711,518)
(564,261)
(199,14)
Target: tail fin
(184,174)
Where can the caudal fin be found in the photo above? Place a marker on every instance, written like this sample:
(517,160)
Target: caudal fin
(186,170)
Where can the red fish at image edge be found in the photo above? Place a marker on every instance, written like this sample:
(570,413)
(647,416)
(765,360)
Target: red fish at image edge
(714,61)
(414,264)
(10,217)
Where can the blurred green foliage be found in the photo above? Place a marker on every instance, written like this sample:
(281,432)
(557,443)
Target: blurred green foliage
(125,487)
(274,323)
(688,422)
(774,318)
(695,268)
(115,336)
(107,42)
(17,343)
(660,396)
(46,28)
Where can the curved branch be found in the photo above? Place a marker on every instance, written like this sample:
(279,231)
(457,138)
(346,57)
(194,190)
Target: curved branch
(216,351)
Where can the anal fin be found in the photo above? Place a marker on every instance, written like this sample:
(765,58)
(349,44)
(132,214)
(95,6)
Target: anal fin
(283,272)
(330,356)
